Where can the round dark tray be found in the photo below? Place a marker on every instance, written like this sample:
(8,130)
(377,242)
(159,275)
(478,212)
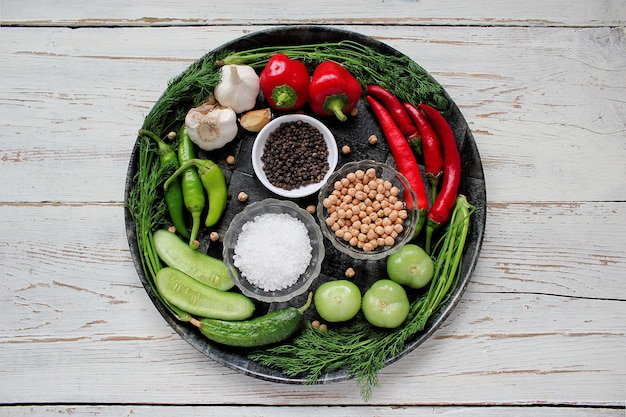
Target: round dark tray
(354,133)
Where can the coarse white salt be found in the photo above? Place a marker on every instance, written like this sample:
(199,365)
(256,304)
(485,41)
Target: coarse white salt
(272,251)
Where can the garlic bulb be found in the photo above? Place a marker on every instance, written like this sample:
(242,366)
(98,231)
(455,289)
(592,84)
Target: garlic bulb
(211,126)
(238,87)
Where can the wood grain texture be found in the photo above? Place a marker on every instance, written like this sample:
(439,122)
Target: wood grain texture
(550,131)
(365,12)
(310,411)
(541,328)
(533,342)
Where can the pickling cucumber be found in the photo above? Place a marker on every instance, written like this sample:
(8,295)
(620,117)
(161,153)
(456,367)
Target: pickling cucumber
(200,266)
(198,299)
(264,330)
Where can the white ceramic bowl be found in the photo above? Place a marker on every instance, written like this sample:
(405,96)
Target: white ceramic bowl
(259,144)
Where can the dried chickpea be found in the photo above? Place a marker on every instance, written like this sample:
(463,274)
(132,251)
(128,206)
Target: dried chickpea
(345,149)
(242,196)
(350,273)
(214,236)
(364,210)
(230,160)
(372,140)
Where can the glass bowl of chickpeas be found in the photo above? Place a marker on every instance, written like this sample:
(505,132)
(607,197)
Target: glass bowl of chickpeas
(367,210)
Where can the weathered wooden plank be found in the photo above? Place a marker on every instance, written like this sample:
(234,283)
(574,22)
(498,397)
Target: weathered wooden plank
(312,411)
(475,359)
(99,86)
(367,12)
(557,338)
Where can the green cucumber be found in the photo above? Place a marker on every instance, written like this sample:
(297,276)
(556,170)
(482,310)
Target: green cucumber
(200,266)
(184,292)
(264,330)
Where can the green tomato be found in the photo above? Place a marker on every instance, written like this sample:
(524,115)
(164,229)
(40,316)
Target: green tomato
(410,266)
(385,304)
(338,300)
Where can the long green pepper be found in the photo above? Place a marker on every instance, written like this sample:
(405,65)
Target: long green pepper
(214,183)
(193,191)
(173,195)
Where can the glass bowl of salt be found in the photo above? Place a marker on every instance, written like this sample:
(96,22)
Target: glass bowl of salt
(273,250)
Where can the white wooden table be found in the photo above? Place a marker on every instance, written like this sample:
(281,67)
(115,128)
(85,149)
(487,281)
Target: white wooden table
(541,327)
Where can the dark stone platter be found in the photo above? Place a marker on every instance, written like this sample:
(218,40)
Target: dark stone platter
(354,133)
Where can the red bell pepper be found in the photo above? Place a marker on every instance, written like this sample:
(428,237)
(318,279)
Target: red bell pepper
(285,82)
(333,90)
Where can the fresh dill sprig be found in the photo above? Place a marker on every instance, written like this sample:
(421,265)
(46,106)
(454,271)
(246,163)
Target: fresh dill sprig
(406,79)
(187,90)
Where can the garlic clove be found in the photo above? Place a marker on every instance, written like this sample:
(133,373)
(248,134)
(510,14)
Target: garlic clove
(254,120)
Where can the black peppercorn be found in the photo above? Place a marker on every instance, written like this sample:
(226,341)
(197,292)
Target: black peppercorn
(295,155)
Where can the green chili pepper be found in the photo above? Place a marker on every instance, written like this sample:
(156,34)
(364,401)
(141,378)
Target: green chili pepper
(173,196)
(214,183)
(193,192)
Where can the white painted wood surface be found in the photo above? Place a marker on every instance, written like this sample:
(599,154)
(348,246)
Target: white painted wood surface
(541,328)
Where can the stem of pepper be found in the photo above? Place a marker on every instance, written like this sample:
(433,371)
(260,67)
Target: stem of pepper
(434,183)
(335,104)
(284,96)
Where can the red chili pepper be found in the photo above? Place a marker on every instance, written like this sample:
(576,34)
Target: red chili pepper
(333,90)
(393,105)
(285,82)
(442,207)
(405,159)
(431,149)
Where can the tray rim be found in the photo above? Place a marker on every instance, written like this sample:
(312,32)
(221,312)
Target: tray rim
(236,361)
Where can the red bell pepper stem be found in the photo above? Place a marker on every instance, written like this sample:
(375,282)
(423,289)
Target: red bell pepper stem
(441,209)
(333,90)
(393,105)
(285,83)
(405,159)
(431,149)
